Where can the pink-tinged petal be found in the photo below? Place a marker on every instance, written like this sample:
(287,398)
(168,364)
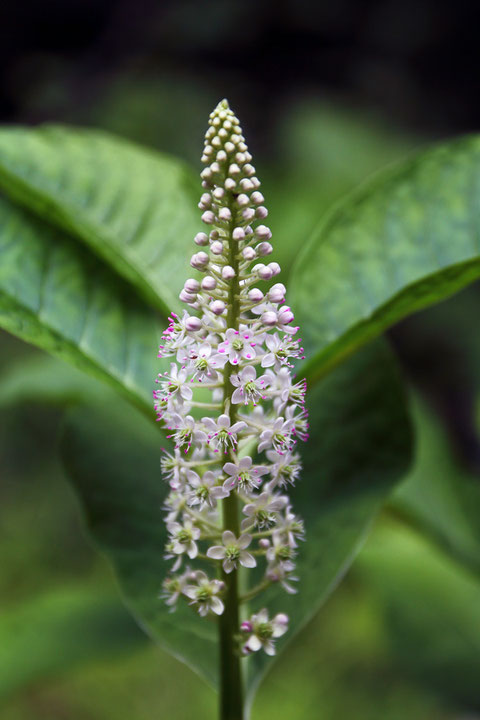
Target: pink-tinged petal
(268,360)
(253,643)
(269,647)
(235,380)
(205,350)
(228,538)
(219,493)
(228,566)
(237,396)
(244,541)
(263,445)
(245,463)
(271,341)
(249,510)
(260,470)
(217,552)
(230,468)
(219,360)
(238,426)
(217,606)
(190,591)
(248,373)
(201,436)
(247,560)
(223,421)
(186,392)
(209,424)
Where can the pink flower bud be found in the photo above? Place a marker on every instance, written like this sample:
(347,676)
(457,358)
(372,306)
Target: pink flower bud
(228,272)
(221,156)
(229,147)
(187,297)
(277,293)
(285,315)
(199,261)
(193,324)
(269,318)
(206,199)
(263,232)
(233,170)
(209,283)
(217,307)
(248,214)
(201,238)
(257,197)
(238,233)
(249,170)
(230,184)
(246,185)
(275,268)
(242,200)
(216,247)
(265,273)
(261,212)
(246,626)
(218,193)
(264,249)
(225,214)
(255,295)
(249,253)
(191,285)
(208,217)
(264,543)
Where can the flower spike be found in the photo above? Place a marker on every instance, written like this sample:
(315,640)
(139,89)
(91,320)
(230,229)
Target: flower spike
(233,460)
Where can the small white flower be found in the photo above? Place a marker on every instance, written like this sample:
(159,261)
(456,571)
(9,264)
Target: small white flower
(239,344)
(182,538)
(173,587)
(175,383)
(280,350)
(263,510)
(249,388)
(185,432)
(279,436)
(204,490)
(232,551)
(205,593)
(262,631)
(243,475)
(222,435)
(285,468)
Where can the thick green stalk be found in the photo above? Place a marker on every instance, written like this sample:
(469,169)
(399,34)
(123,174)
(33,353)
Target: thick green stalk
(231,682)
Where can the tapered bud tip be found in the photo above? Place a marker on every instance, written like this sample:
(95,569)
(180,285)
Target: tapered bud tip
(223,105)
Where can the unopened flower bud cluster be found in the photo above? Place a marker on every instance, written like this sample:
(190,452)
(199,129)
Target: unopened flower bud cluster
(229,401)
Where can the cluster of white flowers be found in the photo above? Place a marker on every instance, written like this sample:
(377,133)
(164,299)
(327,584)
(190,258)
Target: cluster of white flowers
(229,397)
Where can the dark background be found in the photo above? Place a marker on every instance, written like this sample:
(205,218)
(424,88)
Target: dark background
(415,62)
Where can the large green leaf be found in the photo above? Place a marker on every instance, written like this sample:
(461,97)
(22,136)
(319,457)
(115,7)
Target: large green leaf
(134,207)
(360,446)
(63,629)
(55,294)
(403,241)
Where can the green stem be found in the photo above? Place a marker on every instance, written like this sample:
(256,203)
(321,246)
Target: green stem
(231,682)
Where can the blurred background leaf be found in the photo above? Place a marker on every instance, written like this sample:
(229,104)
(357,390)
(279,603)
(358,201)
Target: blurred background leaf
(133,207)
(387,251)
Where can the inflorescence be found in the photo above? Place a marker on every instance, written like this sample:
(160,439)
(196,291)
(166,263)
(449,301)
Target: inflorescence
(229,401)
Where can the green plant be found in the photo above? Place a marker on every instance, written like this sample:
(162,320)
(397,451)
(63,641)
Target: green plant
(93,243)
